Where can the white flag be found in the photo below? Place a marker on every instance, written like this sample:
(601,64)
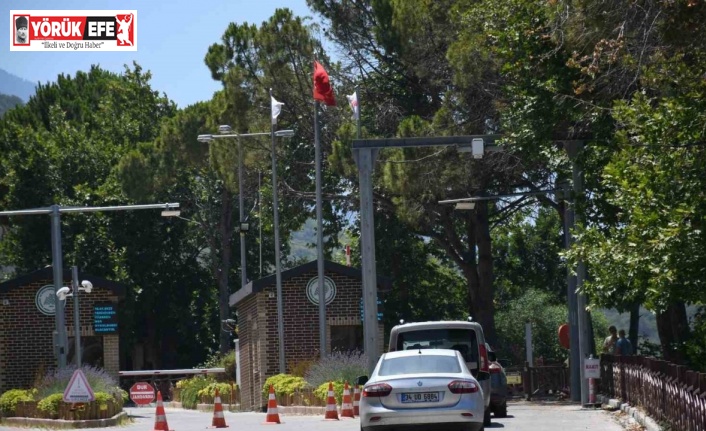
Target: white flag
(353,102)
(276,109)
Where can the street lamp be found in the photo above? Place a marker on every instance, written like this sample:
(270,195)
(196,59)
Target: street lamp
(54,211)
(225,132)
(62,294)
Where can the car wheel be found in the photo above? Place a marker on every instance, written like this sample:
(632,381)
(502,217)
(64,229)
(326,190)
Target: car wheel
(501,412)
(486,417)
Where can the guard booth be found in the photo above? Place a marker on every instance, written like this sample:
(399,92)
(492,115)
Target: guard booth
(256,307)
(28,305)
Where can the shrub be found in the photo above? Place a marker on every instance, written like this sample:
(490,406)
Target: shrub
(300,368)
(9,399)
(222,360)
(210,390)
(102,399)
(189,390)
(322,391)
(56,381)
(284,384)
(50,405)
(338,367)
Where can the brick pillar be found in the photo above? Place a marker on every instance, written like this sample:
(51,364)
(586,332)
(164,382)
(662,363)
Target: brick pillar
(111,354)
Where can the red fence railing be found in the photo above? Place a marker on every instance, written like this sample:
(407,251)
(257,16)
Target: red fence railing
(669,393)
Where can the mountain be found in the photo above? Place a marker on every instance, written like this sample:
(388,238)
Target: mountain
(8,102)
(16,86)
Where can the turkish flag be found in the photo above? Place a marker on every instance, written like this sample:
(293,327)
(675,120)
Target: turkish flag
(323,90)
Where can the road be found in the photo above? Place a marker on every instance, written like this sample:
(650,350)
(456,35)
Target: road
(522,417)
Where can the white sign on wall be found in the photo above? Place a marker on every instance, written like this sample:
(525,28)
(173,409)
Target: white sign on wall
(45,299)
(312,290)
(592,368)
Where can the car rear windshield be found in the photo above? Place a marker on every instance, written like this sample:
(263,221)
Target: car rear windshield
(463,340)
(420,364)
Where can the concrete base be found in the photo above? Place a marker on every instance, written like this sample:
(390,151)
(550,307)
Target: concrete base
(63,424)
(636,414)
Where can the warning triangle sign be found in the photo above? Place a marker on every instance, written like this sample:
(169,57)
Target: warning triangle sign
(78,390)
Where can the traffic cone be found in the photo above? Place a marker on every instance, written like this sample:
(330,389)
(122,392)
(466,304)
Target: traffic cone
(331,409)
(160,418)
(356,401)
(346,405)
(219,421)
(272,412)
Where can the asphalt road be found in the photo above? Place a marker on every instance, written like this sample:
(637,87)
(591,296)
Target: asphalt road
(522,417)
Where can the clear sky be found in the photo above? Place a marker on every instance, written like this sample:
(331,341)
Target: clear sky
(173,37)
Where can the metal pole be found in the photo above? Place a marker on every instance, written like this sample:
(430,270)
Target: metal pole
(357,113)
(365,159)
(57,266)
(259,213)
(278,268)
(77,321)
(574,354)
(320,235)
(584,346)
(241,210)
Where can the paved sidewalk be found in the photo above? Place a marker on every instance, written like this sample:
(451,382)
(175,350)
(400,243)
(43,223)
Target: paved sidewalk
(555,416)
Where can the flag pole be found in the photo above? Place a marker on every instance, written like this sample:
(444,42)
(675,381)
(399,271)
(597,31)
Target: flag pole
(357,112)
(320,235)
(278,268)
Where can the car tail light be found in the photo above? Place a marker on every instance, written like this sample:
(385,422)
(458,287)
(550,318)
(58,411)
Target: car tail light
(495,369)
(377,390)
(463,387)
(484,362)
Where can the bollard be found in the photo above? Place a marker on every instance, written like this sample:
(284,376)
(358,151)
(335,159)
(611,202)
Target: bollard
(591,391)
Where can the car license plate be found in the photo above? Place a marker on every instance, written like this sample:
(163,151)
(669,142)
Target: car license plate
(420,397)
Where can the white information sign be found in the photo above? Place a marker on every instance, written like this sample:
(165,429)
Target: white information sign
(78,390)
(592,368)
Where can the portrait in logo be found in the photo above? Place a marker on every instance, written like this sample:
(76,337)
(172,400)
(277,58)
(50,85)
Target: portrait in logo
(22,30)
(124,26)
(46,300)
(312,290)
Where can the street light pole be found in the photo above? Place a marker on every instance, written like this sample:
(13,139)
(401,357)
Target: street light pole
(77,320)
(243,271)
(61,340)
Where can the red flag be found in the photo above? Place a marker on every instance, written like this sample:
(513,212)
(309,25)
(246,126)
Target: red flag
(322,85)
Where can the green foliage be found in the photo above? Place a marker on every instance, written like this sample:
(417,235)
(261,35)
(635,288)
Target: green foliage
(285,384)
(8,102)
(50,404)
(9,399)
(224,390)
(102,398)
(533,306)
(56,381)
(222,360)
(189,390)
(321,392)
(696,348)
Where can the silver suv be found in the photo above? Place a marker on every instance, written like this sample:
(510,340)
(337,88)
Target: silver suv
(466,337)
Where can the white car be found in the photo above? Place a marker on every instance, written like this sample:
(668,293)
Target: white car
(425,387)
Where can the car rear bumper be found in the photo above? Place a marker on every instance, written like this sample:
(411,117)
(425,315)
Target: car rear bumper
(474,426)
(377,416)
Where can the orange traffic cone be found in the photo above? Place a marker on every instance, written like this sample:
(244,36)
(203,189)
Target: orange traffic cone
(219,421)
(346,405)
(272,413)
(160,418)
(356,401)
(331,409)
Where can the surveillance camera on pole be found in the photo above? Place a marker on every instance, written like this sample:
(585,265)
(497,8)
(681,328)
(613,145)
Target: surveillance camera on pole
(87,286)
(63,293)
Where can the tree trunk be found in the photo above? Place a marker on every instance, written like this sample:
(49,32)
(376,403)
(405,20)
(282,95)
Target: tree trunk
(225,228)
(673,329)
(484,307)
(634,325)
(470,269)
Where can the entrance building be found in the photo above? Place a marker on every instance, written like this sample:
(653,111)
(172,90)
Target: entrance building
(256,307)
(27,311)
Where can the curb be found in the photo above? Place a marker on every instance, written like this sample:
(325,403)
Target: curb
(638,415)
(64,424)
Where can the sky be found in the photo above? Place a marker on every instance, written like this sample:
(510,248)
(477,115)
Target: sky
(173,38)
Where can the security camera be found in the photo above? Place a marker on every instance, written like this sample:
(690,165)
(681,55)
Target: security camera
(62,293)
(87,286)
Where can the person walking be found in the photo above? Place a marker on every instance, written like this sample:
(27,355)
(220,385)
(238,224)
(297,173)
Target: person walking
(610,342)
(623,346)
